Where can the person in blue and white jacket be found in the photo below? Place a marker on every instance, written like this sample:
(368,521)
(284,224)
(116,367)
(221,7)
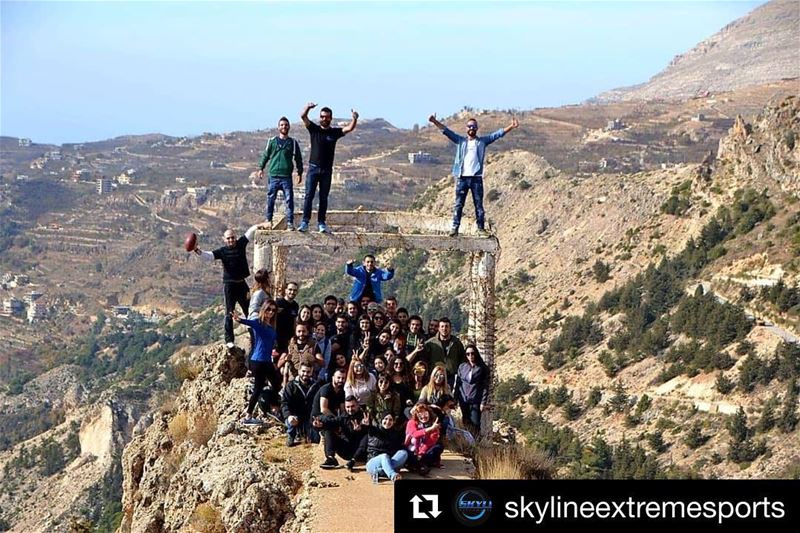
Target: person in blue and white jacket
(468,167)
(368,279)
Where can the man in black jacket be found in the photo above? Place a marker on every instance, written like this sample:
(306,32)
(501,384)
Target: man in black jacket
(297,400)
(346,435)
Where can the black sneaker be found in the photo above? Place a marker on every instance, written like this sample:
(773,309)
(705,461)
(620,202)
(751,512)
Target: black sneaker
(423,470)
(330,463)
(350,464)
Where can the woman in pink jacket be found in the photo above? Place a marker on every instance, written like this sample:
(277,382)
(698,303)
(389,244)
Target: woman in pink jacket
(422,439)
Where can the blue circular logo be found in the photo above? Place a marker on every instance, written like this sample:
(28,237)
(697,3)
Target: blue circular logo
(472,507)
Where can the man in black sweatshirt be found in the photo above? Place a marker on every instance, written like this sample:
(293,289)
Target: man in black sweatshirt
(234,274)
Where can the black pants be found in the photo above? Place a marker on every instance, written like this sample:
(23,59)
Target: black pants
(234,292)
(262,371)
(334,444)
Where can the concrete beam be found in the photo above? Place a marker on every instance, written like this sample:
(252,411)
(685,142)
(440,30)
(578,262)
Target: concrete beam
(343,239)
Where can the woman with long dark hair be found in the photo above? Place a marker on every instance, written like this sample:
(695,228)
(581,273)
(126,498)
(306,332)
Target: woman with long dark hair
(472,388)
(261,365)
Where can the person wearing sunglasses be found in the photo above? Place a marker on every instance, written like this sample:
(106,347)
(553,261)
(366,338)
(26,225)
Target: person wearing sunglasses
(468,167)
(472,389)
(260,364)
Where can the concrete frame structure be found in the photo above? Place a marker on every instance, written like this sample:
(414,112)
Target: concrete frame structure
(408,231)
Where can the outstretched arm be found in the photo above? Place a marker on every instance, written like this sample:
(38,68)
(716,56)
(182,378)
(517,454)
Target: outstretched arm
(205,256)
(353,122)
(433,120)
(304,116)
(514,125)
(251,232)
(450,134)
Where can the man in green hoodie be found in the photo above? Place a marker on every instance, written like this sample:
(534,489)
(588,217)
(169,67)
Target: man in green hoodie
(283,154)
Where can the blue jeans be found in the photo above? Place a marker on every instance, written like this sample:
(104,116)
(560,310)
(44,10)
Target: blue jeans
(281,183)
(387,465)
(464,185)
(322,177)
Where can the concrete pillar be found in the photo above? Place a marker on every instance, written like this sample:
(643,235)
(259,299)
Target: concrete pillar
(262,255)
(481,327)
(280,255)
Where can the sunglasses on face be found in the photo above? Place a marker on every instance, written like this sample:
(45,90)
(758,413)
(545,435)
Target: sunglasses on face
(472,126)
(271,309)
(470,353)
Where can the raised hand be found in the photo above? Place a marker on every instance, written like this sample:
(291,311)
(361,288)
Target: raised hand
(432,119)
(355,114)
(235,317)
(514,123)
(311,105)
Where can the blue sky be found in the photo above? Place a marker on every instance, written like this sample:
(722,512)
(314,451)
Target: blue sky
(72,72)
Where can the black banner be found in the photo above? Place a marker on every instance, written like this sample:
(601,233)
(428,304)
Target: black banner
(680,506)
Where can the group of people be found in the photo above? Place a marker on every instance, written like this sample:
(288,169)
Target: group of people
(362,374)
(282,157)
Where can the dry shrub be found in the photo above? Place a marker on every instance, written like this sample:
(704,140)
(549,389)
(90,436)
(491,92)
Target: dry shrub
(275,454)
(204,424)
(206,519)
(178,428)
(512,462)
(187,369)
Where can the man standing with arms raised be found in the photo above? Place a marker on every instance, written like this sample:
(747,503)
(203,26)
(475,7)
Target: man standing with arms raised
(468,167)
(234,272)
(320,162)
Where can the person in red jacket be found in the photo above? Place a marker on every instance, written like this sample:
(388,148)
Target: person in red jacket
(422,439)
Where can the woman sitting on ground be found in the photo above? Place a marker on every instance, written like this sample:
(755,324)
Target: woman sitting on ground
(385,452)
(261,365)
(422,439)
(359,383)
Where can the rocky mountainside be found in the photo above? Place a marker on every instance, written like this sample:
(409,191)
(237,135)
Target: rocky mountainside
(65,473)
(196,469)
(569,245)
(758,48)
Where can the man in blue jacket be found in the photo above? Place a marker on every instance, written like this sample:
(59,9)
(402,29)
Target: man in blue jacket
(468,167)
(368,279)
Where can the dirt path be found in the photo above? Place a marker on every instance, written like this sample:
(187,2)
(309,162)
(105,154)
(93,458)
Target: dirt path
(358,505)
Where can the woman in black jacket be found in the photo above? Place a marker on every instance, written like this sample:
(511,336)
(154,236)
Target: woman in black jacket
(472,388)
(385,451)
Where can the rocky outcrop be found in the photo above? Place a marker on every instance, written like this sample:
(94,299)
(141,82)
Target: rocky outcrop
(195,468)
(758,48)
(766,150)
(39,494)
